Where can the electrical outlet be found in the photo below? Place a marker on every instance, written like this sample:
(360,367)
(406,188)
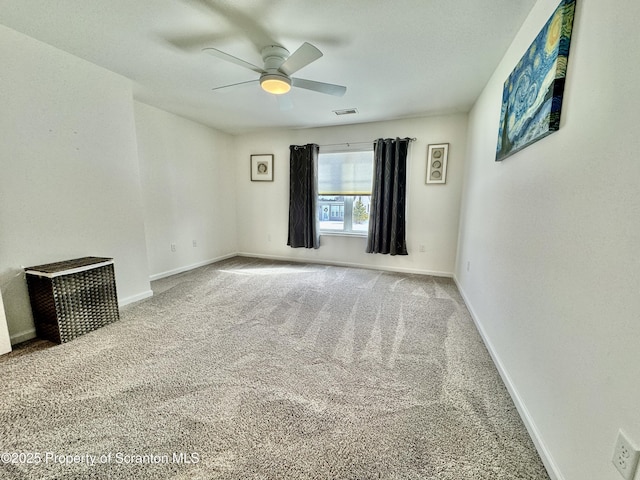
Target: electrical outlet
(422,248)
(625,456)
(468,266)
(195,243)
(173,247)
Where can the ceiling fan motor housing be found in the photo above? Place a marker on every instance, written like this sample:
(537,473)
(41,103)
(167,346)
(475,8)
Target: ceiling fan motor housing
(273,80)
(274,56)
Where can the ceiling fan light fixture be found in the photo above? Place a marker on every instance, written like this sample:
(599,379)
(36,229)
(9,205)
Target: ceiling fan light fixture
(274,83)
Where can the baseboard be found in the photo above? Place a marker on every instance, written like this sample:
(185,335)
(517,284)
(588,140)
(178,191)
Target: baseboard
(175,271)
(134,298)
(23,336)
(416,271)
(534,433)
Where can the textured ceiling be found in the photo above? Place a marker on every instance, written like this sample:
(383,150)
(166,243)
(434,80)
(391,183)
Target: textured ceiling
(398,59)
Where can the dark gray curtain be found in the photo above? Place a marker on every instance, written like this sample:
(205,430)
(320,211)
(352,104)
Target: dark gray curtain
(388,197)
(303,215)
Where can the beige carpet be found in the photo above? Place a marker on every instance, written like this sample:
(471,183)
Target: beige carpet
(251,369)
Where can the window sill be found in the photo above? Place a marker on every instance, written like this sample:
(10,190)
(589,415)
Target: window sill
(329,233)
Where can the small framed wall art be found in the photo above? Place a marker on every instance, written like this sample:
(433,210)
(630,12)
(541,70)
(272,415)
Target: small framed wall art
(262,168)
(437,163)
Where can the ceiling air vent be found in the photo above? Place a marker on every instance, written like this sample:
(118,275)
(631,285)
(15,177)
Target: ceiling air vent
(347,111)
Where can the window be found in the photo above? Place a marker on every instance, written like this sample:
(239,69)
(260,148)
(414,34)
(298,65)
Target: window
(344,191)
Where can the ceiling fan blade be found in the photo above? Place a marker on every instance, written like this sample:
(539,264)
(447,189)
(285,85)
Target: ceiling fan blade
(302,57)
(328,88)
(235,84)
(194,42)
(230,58)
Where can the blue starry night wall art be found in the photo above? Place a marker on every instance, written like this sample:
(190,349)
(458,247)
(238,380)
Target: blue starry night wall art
(532,95)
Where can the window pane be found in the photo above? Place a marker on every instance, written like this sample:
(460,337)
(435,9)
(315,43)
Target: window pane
(360,217)
(332,213)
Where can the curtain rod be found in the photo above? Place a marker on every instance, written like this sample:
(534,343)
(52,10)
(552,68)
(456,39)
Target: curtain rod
(348,144)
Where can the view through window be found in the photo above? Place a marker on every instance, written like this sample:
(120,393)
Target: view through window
(344,191)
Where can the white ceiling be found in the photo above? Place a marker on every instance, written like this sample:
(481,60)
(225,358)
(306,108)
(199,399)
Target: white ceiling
(400,58)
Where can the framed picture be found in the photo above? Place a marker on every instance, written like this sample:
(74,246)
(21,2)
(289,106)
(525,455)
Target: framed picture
(262,168)
(437,163)
(532,94)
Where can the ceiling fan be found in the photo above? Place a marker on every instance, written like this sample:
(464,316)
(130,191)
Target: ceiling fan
(275,76)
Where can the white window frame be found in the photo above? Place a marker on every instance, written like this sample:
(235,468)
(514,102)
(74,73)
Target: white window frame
(349,200)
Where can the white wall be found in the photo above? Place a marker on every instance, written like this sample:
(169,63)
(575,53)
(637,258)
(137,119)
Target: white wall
(188,178)
(432,211)
(552,235)
(69,182)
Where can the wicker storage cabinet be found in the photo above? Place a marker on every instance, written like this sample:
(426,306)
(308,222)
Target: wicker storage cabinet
(72,298)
